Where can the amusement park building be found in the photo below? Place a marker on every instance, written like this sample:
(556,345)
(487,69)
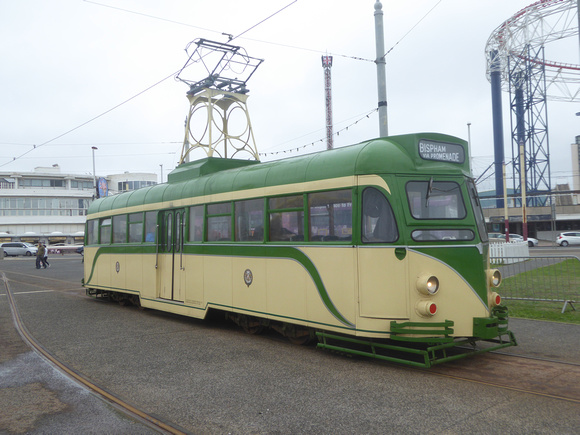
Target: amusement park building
(50,206)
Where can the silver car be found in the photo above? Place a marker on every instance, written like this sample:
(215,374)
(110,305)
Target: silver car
(531,241)
(18,248)
(568,238)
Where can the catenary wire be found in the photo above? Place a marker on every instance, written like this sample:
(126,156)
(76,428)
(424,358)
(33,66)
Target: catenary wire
(127,100)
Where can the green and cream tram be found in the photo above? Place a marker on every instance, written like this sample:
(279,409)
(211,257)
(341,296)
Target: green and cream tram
(368,245)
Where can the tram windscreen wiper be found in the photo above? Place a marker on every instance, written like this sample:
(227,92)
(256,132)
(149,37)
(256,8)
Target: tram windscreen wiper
(429,191)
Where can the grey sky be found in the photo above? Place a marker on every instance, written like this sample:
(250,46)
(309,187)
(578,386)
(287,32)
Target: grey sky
(65,62)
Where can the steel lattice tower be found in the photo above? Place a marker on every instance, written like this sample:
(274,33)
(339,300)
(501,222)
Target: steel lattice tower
(529,124)
(516,62)
(327,65)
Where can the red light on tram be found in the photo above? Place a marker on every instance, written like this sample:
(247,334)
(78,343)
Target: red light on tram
(495,299)
(426,308)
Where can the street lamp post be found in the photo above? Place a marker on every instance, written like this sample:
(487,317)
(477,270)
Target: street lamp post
(94,174)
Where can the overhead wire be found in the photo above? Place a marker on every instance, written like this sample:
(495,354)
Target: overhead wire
(129,99)
(176,72)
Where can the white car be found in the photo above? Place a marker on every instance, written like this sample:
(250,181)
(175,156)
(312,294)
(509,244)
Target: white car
(495,237)
(531,241)
(568,238)
(18,248)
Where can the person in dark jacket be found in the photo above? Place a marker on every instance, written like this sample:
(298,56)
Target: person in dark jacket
(40,256)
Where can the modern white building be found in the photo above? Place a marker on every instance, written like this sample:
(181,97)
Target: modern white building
(49,206)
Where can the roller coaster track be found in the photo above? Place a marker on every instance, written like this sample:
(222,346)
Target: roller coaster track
(536,25)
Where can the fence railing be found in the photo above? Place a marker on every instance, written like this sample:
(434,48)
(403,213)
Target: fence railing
(502,252)
(553,279)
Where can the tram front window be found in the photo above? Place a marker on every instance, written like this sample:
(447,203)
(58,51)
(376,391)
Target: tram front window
(435,200)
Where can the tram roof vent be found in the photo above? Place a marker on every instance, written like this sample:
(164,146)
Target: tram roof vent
(209,165)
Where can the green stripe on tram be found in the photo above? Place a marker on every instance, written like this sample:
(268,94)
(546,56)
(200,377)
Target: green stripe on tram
(254,251)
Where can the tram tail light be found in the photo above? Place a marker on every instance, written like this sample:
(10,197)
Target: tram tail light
(426,308)
(494,277)
(427,284)
(495,299)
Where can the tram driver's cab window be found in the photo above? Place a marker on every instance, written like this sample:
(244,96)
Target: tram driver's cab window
(378,220)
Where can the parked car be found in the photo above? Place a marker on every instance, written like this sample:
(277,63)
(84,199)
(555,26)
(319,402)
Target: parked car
(568,238)
(531,241)
(18,248)
(498,237)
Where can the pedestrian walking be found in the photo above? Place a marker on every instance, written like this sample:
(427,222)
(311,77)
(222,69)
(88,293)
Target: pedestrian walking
(40,256)
(46,264)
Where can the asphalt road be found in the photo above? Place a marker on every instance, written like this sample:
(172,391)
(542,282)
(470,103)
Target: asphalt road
(210,377)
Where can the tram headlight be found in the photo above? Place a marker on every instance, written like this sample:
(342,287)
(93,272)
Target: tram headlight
(427,284)
(494,277)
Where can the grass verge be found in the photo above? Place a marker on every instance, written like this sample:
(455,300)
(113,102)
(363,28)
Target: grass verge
(560,281)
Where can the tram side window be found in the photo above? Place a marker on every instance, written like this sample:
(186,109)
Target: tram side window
(92,232)
(120,228)
(196,223)
(330,216)
(135,227)
(249,220)
(435,200)
(219,222)
(150,226)
(286,218)
(105,231)
(378,220)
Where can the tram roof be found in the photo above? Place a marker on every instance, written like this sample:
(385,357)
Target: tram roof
(390,155)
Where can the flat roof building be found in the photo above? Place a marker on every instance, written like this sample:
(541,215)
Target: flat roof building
(50,206)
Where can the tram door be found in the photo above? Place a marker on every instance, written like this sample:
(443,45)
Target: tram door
(171,266)
(383,264)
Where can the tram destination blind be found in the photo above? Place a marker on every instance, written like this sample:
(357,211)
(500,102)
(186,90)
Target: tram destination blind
(441,152)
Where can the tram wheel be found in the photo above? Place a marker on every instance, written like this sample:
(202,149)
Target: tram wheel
(253,329)
(300,341)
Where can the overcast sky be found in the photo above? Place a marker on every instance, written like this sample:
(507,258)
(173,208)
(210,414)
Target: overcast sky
(66,62)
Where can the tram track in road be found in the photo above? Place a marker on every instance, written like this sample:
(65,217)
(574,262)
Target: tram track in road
(522,373)
(118,403)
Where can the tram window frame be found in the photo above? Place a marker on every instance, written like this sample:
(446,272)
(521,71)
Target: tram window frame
(287,210)
(477,210)
(120,228)
(105,231)
(135,222)
(443,235)
(376,217)
(150,226)
(219,222)
(196,223)
(92,232)
(418,199)
(249,220)
(330,222)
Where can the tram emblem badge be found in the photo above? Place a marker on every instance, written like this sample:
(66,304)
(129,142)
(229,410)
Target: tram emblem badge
(248,277)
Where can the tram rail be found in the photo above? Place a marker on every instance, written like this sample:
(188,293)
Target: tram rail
(120,404)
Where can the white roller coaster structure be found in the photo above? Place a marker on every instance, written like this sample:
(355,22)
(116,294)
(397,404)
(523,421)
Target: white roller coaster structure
(541,23)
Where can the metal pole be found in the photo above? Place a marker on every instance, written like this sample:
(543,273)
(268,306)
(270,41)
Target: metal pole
(469,142)
(523,188)
(495,75)
(381,70)
(94,174)
(506,219)
(161,173)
